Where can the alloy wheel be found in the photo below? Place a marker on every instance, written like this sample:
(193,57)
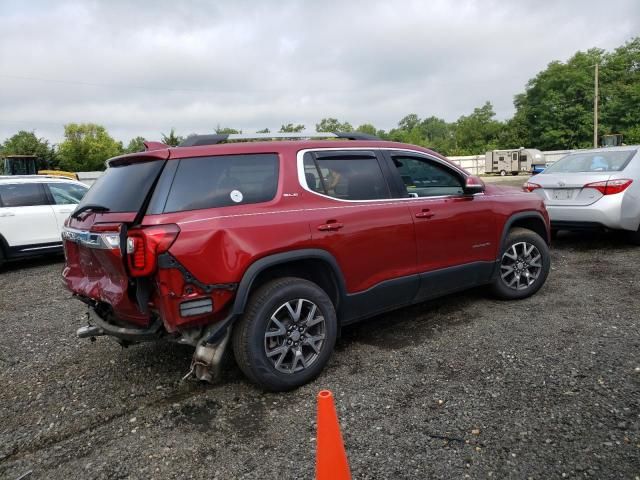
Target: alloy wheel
(521,265)
(295,335)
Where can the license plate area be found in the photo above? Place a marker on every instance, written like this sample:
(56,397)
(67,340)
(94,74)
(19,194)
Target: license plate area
(562,194)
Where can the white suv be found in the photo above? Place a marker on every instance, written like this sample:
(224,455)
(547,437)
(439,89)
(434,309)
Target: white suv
(33,209)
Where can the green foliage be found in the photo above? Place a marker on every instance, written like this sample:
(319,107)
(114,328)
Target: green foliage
(556,109)
(135,145)
(367,128)
(26,143)
(226,130)
(86,147)
(333,125)
(172,139)
(291,128)
(264,130)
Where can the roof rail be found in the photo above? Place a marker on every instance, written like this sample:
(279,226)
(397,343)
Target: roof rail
(215,138)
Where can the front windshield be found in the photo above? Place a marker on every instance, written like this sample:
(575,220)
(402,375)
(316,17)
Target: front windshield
(605,161)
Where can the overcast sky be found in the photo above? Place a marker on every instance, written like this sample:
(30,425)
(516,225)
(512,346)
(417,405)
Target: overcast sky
(142,67)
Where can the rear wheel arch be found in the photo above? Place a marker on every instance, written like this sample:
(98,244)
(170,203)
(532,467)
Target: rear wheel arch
(317,266)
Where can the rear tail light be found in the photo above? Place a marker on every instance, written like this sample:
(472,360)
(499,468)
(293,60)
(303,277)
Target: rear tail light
(530,186)
(610,187)
(145,244)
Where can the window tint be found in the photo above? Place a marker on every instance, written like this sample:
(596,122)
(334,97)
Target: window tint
(67,193)
(346,178)
(123,188)
(221,181)
(608,161)
(427,178)
(22,195)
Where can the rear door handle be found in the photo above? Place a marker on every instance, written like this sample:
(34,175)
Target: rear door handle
(425,213)
(330,226)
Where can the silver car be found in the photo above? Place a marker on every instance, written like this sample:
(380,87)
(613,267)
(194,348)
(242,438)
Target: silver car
(593,189)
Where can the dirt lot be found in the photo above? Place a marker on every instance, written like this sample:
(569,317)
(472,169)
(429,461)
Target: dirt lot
(548,387)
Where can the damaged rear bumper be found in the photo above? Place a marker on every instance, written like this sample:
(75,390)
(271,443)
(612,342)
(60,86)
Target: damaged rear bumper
(98,326)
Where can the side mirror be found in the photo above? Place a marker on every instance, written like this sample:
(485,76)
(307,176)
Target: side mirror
(473,185)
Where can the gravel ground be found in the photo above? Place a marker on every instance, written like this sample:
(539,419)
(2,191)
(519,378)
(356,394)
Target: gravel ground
(465,386)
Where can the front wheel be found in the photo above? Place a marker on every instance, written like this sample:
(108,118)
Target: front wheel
(287,334)
(524,265)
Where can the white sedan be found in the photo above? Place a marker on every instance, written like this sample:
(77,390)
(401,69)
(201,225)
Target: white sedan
(33,209)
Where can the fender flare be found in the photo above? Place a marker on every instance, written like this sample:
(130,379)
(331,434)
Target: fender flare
(244,287)
(521,216)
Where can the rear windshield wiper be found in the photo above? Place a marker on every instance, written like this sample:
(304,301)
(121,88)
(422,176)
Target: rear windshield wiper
(84,208)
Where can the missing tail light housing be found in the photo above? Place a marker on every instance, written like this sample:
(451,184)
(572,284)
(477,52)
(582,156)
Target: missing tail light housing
(145,244)
(530,186)
(610,187)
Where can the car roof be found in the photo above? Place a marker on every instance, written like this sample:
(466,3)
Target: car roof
(36,179)
(279,146)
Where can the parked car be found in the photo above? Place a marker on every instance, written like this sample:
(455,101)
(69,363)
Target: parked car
(33,209)
(593,189)
(273,246)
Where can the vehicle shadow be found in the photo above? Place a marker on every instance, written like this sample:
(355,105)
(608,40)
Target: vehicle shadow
(594,240)
(34,262)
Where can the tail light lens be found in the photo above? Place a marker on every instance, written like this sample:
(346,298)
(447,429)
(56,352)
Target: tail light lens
(610,187)
(530,186)
(145,244)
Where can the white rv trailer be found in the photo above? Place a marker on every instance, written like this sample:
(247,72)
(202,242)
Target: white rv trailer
(513,161)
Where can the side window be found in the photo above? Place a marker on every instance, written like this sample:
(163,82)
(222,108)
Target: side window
(426,178)
(66,193)
(22,195)
(349,177)
(222,181)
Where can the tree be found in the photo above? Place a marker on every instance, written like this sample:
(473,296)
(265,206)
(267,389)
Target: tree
(135,145)
(172,139)
(367,128)
(291,128)
(477,132)
(26,143)
(226,130)
(264,130)
(86,147)
(333,125)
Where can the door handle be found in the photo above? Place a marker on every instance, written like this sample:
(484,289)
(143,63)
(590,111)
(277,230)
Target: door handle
(425,213)
(330,226)
(7,214)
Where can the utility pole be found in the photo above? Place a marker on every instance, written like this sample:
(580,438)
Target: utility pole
(595,110)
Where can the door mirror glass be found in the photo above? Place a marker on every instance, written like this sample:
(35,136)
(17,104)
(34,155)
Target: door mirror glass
(473,185)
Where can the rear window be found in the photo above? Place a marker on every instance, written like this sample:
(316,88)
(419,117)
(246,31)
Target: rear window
(606,161)
(123,188)
(221,181)
(22,195)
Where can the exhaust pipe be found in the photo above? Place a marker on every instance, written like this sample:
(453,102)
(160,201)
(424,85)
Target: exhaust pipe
(89,331)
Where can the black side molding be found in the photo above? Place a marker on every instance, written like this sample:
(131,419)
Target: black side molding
(258,266)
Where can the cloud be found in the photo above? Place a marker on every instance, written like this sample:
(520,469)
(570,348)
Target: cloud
(140,68)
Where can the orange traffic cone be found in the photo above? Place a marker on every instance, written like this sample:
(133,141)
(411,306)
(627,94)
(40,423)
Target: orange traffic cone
(331,458)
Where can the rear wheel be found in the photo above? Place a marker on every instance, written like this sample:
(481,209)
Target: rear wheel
(524,265)
(286,335)
(503,173)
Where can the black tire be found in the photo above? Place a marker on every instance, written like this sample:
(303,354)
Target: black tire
(516,237)
(503,173)
(1,257)
(249,334)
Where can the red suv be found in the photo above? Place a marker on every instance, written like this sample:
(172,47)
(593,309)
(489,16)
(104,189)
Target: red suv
(273,246)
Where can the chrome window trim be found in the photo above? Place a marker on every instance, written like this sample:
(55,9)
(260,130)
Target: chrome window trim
(303,181)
